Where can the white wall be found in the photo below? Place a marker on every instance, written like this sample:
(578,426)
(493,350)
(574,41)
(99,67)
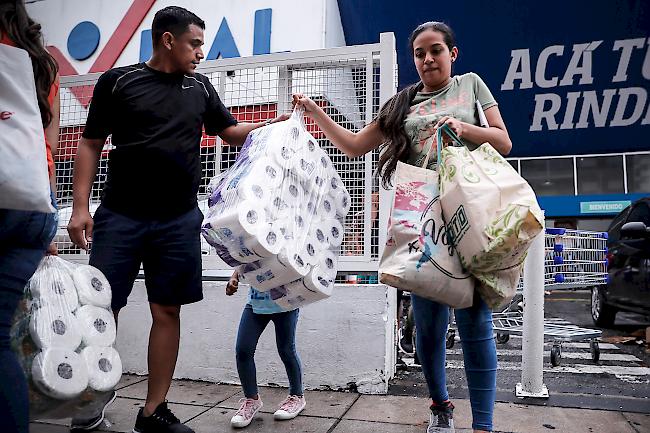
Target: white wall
(349,338)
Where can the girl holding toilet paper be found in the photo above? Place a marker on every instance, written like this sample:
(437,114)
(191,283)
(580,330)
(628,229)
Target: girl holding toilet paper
(406,128)
(258,312)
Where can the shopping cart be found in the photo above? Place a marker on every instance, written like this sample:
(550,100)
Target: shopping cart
(572,259)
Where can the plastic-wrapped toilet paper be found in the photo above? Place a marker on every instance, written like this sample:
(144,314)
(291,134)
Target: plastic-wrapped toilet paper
(97,326)
(324,163)
(92,286)
(51,326)
(342,202)
(55,287)
(267,242)
(104,367)
(60,373)
(284,157)
(333,231)
(312,288)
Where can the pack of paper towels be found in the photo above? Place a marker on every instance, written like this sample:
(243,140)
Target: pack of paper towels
(69,331)
(276,214)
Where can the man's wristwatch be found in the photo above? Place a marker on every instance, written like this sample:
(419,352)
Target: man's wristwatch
(268,122)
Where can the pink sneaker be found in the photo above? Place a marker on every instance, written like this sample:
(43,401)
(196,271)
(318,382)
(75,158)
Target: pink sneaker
(249,407)
(290,408)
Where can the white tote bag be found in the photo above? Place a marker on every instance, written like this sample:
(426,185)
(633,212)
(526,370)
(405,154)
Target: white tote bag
(418,256)
(24,183)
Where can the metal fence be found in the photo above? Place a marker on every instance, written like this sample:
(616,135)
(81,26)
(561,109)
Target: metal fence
(349,83)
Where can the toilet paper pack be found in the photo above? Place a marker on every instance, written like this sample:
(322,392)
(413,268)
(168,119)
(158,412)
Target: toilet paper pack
(277,213)
(63,335)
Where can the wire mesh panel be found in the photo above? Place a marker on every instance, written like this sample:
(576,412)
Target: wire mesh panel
(575,258)
(345,82)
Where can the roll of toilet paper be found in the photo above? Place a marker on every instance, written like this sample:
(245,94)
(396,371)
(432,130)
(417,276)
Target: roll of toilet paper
(342,202)
(60,373)
(247,218)
(268,242)
(333,231)
(277,205)
(92,286)
(319,282)
(326,207)
(318,230)
(55,287)
(266,171)
(291,192)
(324,163)
(104,367)
(51,326)
(97,326)
(284,157)
(336,184)
(309,209)
(320,184)
(328,263)
(305,166)
(312,250)
(239,250)
(253,190)
(277,271)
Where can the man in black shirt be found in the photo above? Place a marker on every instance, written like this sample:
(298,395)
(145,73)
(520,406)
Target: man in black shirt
(155,112)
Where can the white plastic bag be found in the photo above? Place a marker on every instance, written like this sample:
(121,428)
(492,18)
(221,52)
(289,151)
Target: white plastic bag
(276,214)
(63,334)
(24,183)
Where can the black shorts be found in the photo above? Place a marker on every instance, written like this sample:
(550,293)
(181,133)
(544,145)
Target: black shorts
(169,252)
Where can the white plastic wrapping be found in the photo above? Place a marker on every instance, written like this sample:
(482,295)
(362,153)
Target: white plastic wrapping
(64,334)
(276,214)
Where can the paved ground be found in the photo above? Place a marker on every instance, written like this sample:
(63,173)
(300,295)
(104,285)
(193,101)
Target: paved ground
(208,407)
(620,381)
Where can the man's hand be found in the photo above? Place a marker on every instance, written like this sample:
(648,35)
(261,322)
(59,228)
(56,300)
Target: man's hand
(233,283)
(80,228)
(281,118)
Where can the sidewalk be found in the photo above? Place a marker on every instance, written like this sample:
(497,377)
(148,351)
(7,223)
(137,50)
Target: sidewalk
(207,408)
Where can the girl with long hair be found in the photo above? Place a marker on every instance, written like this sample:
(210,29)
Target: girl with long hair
(406,129)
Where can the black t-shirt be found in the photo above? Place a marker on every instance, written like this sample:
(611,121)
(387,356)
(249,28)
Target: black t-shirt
(156,120)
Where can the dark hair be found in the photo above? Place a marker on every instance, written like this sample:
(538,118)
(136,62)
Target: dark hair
(390,119)
(175,20)
(26,34)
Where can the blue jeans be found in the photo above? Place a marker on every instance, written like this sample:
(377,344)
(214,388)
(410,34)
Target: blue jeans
(251,327)
(479,351)
(24,238)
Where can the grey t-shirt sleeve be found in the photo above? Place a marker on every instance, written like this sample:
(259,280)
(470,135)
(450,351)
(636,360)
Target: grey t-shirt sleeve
(482,93)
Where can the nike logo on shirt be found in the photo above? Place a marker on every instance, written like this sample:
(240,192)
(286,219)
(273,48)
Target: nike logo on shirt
(186,87)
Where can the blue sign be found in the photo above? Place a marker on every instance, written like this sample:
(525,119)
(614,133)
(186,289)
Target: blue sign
(569,77)
(603,207)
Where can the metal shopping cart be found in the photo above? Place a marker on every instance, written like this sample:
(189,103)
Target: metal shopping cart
(572,259)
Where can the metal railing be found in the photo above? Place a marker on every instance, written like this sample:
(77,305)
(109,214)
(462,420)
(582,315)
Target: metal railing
(349,83)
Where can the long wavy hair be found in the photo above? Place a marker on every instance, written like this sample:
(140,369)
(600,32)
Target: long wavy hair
(26,34)
(390,119)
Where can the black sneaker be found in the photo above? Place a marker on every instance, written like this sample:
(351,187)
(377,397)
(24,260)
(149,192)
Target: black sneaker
(442,418)
(161,421)
(91,421)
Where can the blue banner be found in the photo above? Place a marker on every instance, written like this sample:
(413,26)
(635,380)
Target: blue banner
(570,77)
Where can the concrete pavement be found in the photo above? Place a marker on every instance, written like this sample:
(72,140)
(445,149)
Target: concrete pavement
(208,407)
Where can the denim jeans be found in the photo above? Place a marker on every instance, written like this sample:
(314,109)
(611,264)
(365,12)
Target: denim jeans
(24,238)
(251,327)
(479,352)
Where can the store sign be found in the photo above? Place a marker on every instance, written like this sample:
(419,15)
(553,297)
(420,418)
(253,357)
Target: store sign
(602,207)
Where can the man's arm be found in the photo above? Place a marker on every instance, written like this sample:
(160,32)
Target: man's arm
(80,226)
(235,135)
